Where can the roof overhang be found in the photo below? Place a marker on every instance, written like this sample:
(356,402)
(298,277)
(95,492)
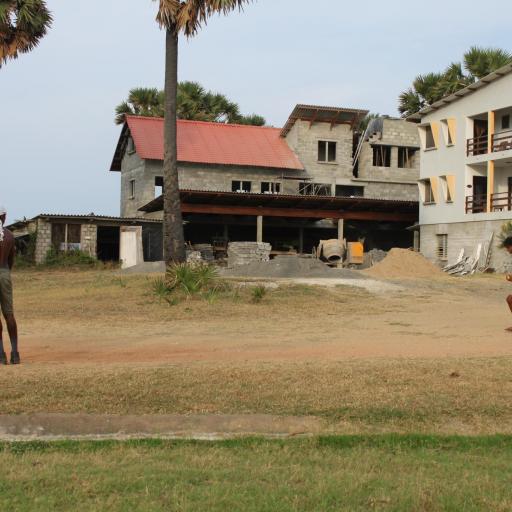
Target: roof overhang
(470,89)
(291,206)
(316,114)
(120,149)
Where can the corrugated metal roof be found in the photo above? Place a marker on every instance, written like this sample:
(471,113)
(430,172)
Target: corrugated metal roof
(215,143)
(319,114)
(492,77)
(284,201)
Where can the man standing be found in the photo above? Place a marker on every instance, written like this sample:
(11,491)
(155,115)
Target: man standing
(7,251)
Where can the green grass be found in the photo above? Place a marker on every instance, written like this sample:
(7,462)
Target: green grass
(352,473)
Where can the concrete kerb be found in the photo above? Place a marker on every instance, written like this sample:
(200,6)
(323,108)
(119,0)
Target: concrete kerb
(52,427)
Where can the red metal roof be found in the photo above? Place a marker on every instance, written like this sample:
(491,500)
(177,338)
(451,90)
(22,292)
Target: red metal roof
(215,143)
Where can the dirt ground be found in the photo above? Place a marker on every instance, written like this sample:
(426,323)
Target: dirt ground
(100,317)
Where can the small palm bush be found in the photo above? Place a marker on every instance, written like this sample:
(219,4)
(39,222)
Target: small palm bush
(506,231)
(191,279)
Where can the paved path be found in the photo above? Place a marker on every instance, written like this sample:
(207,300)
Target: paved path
(42,426)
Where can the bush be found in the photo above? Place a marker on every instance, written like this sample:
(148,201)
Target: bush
(258,294)
(185,280)
(69,259)
(506,231)
(191,279)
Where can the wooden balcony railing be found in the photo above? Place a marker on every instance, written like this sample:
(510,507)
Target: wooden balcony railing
(476,204)
(500,202)
(477,146)
(502,141)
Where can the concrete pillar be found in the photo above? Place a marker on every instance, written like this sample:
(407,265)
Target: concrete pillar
(341,230)
(226,232)
(394,157)
(259,229)
(417,241)
(301,240)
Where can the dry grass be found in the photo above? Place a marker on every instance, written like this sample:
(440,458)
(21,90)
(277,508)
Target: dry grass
(291,354)
(358,396)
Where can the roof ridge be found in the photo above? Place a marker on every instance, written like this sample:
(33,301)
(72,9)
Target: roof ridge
(210,123)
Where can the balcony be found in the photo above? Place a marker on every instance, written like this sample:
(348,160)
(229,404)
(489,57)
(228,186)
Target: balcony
(500,202)
(502,141)
(477,146)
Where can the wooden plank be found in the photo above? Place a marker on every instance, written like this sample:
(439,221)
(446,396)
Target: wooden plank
(217,209)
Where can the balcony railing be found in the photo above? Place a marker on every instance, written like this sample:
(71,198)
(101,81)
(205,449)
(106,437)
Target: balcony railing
(500,202)
(477,145)
(476,204)
(502,141)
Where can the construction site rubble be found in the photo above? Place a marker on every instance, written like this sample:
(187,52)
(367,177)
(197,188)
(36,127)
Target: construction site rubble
(293,266)
(479,261)
(244,253)
(403,263)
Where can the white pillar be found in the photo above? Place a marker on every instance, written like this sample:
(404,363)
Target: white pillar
(259,229)
(341,230)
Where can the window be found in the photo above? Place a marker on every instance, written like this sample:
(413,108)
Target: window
(448,187)
(241,186)
(428,190)
(66,237)
(382,156)
(132,189)
(326,151)
(428,137)
(442,247)
(448,127)
(406,158)
(505,122)
(268,187)
(159,186)
(130,146)
(349,191)
(315,189)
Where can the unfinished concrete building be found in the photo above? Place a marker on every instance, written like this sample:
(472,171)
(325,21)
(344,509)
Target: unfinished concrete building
(229,173)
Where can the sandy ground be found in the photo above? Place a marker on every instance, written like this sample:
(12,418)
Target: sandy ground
(415,318)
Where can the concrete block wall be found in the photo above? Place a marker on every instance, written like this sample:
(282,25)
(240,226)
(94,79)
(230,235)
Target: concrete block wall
(44,240)
(390,190)
(467,236)
(396,133)
(88,239)
(303,139)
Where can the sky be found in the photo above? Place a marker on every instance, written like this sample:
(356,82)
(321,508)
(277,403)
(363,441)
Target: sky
(57,135)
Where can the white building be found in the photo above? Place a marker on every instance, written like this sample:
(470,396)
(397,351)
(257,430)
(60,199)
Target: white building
(466,169)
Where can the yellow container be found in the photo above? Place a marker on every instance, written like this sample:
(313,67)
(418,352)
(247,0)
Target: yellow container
(355,253)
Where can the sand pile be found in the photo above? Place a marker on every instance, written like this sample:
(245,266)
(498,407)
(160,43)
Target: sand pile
(404,263)
(290,266)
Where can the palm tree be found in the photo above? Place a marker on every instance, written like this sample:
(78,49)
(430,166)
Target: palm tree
(141,102)
(23,23)
(179,17)
(193,103)
(427,89)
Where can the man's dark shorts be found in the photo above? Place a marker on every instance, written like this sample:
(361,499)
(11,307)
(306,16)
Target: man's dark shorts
(6,302)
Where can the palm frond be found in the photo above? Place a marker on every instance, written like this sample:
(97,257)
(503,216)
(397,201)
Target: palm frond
(23,23)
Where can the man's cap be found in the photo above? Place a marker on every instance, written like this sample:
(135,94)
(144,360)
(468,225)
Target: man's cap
(3,211)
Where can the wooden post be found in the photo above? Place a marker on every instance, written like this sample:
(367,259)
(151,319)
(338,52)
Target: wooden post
(65,238)
(259,229)
(491,130)
(301,240)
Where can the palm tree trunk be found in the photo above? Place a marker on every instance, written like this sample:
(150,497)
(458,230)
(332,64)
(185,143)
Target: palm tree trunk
(174,239)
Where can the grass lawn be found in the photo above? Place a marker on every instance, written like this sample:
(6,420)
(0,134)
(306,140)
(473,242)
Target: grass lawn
(422,473)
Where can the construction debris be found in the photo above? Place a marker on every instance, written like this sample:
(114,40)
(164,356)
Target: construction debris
(403,263)
(243,253)
(469,265)
(291,267)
